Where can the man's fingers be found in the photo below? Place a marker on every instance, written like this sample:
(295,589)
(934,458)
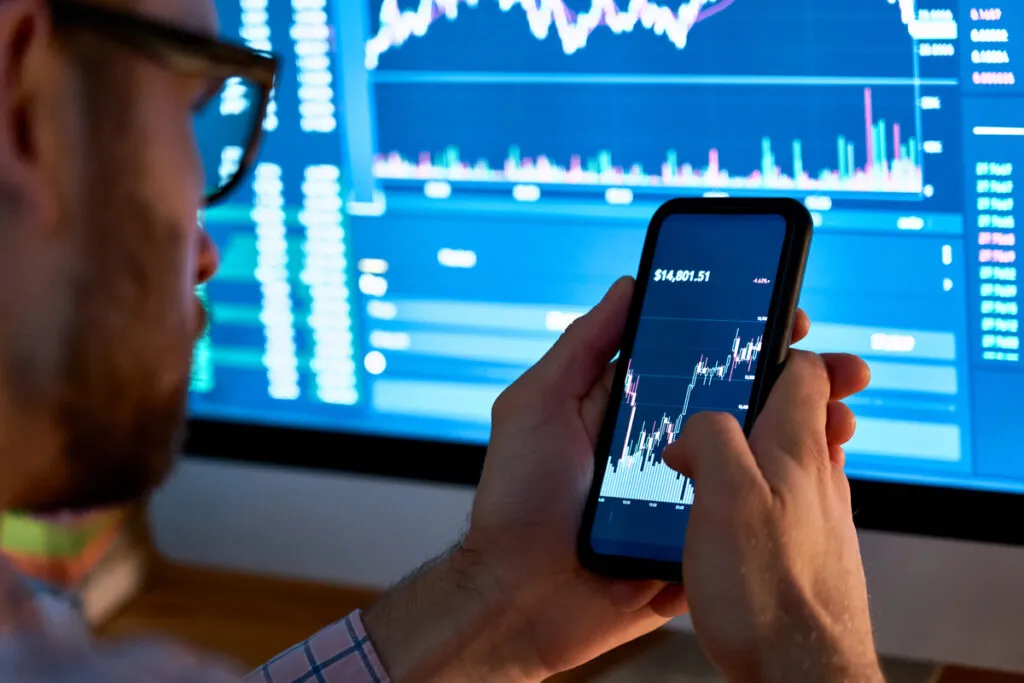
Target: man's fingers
(841,424)
(712,450)
(847,374)
(793,421)
(580,356)
(670,602)
(802,417)
(801,326)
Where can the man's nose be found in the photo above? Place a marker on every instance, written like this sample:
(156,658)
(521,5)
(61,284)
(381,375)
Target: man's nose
(209,258)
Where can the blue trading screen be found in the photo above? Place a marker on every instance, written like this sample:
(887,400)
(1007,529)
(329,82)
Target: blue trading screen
(446,184)
(696,348)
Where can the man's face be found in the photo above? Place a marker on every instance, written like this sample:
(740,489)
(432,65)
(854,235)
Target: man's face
(102,358)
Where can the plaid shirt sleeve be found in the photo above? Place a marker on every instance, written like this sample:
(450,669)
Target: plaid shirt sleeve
(341,653)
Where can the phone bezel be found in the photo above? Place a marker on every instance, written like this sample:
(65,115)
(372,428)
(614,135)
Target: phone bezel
(776,342)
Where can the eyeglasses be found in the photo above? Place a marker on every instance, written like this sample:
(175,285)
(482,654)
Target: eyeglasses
(228,121)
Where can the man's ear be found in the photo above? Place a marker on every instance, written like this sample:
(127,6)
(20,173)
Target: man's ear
(29,85)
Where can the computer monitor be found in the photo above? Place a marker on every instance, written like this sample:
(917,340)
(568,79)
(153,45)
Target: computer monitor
(446,184)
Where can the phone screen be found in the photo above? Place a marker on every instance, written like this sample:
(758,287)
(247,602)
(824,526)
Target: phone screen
(696,348)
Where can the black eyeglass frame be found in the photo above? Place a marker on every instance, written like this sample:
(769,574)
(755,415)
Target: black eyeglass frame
(185,52)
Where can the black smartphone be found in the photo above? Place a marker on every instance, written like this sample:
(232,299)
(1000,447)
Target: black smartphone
(709,329)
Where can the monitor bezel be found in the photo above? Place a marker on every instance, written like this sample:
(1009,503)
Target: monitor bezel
(939,512)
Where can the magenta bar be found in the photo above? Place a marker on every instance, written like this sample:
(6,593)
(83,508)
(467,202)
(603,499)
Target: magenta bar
(868,129)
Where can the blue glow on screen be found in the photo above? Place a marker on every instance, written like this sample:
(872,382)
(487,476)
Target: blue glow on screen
(446,184)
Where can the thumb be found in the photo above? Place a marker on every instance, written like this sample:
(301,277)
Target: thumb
(579,358)
(712,450)
(793,422)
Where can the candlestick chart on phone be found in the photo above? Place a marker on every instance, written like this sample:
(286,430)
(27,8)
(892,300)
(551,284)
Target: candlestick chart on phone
(720,380)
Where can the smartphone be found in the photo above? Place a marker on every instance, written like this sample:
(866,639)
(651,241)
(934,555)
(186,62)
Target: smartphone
(709,329)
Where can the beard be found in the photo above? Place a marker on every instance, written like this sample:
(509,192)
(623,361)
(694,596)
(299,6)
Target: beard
(126,376)
(128,338)
(119,395)
(112,462)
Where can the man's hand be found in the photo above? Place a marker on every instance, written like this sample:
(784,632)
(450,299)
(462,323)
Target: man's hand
(772,563)
(512,601)
(529,506)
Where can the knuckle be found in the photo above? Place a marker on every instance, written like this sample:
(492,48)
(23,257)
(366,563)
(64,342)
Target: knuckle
(811,370)
(507,404)
(580,340)
(574,325)
(525,401)
(575,332)
(809,364)
(679,455)
(575,343)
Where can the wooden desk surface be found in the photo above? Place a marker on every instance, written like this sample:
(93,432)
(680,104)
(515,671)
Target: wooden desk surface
(250,619)
(247,618)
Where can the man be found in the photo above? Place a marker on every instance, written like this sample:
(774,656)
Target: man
(99,257)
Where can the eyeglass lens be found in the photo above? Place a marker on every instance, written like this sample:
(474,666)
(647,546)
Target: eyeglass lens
(224,125)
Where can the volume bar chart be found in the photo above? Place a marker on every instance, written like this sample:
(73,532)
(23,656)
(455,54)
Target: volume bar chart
(885,161)
(656,483)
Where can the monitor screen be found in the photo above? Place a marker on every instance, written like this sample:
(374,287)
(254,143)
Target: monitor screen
(446,184)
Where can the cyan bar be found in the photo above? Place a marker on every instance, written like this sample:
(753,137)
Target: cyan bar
(471,347)
(880,342)
(904,439)
(443,400)
(929,379)
(497,316)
